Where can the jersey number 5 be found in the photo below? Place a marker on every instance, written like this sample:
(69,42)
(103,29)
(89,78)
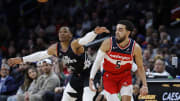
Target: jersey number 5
(118,64)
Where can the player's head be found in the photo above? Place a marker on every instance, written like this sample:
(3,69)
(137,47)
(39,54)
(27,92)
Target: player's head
(64,34)
(123,30)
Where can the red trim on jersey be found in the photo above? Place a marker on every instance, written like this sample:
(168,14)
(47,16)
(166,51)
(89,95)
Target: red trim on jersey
(125,46)
(110,46)
(117,56)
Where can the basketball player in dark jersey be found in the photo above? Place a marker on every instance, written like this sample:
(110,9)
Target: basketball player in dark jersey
(73,55)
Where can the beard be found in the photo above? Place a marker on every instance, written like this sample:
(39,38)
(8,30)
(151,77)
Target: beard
(63,39)
(120,40)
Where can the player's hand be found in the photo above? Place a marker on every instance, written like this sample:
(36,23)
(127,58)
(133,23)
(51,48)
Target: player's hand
(136,89)
(100,30)
(14,61)
(58,89)
(91,85)
(144,90)
(100,88)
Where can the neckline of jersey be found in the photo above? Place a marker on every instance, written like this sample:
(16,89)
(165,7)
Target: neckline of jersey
(125,46)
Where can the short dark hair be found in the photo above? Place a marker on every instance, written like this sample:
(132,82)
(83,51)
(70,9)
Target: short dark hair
(129,25)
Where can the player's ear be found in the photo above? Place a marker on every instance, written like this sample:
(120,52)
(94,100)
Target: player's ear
(129,32)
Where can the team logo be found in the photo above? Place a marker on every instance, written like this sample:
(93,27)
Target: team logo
(87,64)
(114,47)
(127,49)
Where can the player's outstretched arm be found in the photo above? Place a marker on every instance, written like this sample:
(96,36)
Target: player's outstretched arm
(37,56)
(105,46)
(77,45)
(140,70)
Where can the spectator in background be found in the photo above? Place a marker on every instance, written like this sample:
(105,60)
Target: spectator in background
(176,47)
(86,22)
(164,36)
(146,59)
(39,67)
(140,39)
(46,82)
(18,73)
(134,33)
(79,29)
(91,52)
(57,94)
(149,19)
(149,31)
(146,55)
(7,87)
(40,44)
(159,67)
(30,81)
(162,28)
(157,54)
(153,39)
(11,51)
(152,50)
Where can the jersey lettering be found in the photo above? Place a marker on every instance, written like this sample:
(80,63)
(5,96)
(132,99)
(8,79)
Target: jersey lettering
(66,60)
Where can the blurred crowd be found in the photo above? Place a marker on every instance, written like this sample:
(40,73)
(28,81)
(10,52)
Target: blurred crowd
(22,34)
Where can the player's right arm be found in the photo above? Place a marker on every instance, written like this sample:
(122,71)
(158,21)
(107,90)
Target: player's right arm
(78,44)
(37,56)
(105,47)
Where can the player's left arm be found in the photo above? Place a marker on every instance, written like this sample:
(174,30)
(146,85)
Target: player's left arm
(140,71)
(78,44)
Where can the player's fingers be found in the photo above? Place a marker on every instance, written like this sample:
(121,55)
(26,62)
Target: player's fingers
(104,29)
(107,31)
(10,63)
(97,28)
(143,92)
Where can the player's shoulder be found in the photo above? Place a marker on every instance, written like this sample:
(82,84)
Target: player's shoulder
(54,45)
(105,46)
(137,46)
(108,40)
(137,49)
(52,49)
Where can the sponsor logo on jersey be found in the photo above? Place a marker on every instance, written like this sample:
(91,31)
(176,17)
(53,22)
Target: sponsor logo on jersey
(120,57)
